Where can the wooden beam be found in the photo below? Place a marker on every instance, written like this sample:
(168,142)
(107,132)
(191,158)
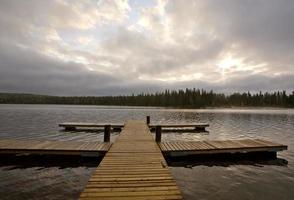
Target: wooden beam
(158,134)
(107,131)
(148,120)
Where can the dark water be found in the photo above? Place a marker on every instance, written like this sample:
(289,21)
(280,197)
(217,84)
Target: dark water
(268,180)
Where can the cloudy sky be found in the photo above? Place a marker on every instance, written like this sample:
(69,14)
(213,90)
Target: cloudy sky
(104,47)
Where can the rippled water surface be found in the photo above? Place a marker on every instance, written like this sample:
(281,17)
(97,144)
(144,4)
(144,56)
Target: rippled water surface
(202,181)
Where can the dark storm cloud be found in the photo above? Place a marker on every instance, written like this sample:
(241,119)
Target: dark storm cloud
(27,71)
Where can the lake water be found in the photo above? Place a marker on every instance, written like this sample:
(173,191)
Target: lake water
(249,180)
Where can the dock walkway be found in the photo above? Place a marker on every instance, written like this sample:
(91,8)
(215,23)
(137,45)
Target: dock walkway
(133,168)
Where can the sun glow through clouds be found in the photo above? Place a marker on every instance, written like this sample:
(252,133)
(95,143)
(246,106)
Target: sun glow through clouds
(229,62)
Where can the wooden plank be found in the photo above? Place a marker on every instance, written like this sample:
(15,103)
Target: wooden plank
(145,184)
(135,189)
(129,193)
(191,125)
(150,197)
(89,125)
(152,126)
(133,168)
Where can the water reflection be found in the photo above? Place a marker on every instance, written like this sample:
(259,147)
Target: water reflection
(225,160)
(11,161)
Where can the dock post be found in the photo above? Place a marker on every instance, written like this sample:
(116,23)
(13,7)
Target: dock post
(158,133)
(69,128)
(148,120)
(107,130)
(200,129)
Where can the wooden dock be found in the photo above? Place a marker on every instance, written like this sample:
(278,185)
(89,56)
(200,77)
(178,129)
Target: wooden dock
(16,146)
(171,148)
(71,126)
(177,127)
(218,147)
(133,168)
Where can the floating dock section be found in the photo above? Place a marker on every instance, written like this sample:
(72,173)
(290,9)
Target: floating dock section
(16,146)
(171,148)
(219,147)
(72,126)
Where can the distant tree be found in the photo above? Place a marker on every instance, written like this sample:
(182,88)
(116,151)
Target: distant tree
(188,98)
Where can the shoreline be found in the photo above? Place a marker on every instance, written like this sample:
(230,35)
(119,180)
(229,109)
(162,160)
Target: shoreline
(167,107)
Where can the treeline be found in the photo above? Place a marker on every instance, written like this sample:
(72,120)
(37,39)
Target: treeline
(189,98)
